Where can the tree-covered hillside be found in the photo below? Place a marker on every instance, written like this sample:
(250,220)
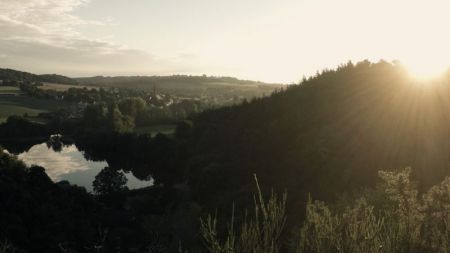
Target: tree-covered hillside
(20,76)
(329,134)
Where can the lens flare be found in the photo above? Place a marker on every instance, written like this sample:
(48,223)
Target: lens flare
(425,70)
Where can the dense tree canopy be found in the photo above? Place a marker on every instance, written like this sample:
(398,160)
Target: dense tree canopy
(329,134)
(37,214)
(109,181)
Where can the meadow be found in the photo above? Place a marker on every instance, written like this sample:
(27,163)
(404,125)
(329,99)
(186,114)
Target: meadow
(64,87)
(13,102)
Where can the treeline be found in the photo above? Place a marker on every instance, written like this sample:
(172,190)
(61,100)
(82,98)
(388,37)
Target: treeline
(11,76)
(173,81)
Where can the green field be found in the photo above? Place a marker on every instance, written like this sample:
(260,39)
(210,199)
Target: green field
(12,102)
(64,87)
(4,90)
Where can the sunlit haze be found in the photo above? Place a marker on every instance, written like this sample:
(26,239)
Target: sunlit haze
(274,41)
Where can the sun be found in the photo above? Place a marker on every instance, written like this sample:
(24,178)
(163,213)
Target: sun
(426,70)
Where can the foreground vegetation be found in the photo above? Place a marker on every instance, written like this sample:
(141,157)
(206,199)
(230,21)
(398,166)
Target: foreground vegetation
(394,217)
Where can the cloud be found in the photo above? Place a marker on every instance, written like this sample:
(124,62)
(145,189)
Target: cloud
(45,17)
(40,36)
(69,160)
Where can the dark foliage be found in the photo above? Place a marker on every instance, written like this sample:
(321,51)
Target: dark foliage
(160,157)
(40,216)
(328,135)
(16,126)
(109,181)
(37,214)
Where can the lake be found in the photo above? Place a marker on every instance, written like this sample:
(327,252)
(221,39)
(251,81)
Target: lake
(70,164)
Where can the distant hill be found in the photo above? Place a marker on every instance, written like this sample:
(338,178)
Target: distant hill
(176,82)
(54,78)
(186,85)
(167,82)
(15,75)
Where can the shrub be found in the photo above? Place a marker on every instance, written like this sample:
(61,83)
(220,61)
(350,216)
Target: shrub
(405,222)
(409,224)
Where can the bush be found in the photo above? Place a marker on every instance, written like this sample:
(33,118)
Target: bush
(409,224)
(403,222)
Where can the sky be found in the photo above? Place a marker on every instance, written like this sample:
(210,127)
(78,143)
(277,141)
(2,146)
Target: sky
(266,40)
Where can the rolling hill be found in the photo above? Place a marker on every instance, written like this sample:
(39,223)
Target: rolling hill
(185,85)
(15,75)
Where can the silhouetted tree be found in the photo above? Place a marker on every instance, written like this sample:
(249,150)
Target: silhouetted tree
(109,181)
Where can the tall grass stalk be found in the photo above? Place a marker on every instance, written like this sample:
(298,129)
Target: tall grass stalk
(258,233)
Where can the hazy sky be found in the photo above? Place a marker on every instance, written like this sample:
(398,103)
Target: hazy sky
(276,40)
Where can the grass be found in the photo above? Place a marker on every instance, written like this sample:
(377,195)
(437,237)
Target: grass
(259,233)
(12,102)
(9,90)
(63,87)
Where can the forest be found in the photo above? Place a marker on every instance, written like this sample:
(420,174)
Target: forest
(353,159)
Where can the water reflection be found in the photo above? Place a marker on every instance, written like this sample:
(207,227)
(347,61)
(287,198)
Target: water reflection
(66,162)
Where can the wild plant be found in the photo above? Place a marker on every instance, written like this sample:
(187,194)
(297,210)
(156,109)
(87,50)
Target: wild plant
(259,233)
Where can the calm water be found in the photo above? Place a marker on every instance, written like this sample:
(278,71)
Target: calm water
(69,164)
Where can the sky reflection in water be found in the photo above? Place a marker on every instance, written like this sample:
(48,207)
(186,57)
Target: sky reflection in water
(70,165)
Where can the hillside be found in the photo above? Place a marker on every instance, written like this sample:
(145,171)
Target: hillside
(328,135)
(169,82)
(15,75)
(185,85)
